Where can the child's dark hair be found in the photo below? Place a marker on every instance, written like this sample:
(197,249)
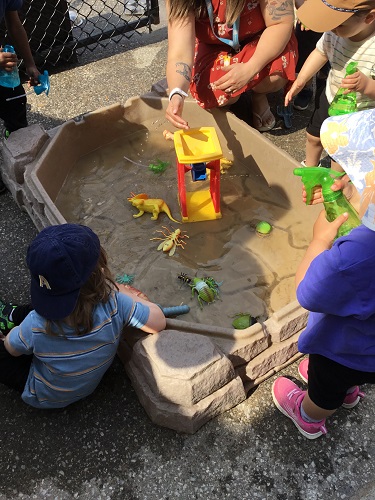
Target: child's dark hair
(96,290)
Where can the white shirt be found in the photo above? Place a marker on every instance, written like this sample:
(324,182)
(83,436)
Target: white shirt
(341,51)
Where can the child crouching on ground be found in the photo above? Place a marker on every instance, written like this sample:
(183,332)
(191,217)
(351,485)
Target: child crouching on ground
(336,282)
(61,350)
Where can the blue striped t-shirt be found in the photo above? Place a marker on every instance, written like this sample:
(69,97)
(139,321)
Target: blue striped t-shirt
(68,367)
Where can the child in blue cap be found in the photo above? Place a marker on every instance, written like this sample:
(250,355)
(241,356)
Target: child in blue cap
(61,350)
(336,282)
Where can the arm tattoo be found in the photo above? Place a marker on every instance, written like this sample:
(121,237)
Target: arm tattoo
(184,70)
(279,9)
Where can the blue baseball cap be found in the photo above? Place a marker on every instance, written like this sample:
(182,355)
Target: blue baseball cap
(60,259)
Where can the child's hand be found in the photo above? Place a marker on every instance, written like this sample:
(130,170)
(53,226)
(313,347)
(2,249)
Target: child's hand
(8,60)
(295,89)
(317,196)
(33,73)
(357,82)
(128,289)
(325,231)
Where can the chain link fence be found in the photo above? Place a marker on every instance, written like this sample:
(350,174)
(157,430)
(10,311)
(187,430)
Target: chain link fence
(59,31)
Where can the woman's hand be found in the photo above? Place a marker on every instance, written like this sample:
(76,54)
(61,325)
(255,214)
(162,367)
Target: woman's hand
(236,76)
(174,112)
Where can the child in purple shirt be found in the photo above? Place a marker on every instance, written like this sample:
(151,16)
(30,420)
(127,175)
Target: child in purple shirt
(336,283)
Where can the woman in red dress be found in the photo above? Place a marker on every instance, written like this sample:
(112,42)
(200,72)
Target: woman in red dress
(220,49)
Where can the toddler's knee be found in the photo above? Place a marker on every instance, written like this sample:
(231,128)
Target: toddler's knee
(313,140)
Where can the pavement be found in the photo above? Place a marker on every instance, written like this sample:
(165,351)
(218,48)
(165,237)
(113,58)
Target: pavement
(105,447)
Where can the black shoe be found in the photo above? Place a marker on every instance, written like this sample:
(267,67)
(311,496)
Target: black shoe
(3,188)
(303,99)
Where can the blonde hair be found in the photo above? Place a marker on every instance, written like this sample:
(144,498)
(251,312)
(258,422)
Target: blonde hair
(178,9)
(96,290)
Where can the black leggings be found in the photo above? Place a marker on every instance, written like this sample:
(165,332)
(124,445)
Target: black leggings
(13,112)
(329,381)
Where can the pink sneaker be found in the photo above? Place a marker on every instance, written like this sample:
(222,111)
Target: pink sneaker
(288,397)
(351,400)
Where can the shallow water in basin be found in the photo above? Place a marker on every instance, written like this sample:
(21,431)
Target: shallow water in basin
(257,273)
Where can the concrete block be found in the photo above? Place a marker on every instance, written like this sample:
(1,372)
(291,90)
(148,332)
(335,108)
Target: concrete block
(26,143)
(182,368)
(242,350)
(182,418)
(276,355)
(285,322)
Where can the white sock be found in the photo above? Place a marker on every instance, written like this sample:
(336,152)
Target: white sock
(306,418)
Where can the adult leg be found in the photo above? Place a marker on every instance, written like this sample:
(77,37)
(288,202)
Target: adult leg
(262,115)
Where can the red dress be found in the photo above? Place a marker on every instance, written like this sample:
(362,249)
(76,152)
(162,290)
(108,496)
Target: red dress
(210,52)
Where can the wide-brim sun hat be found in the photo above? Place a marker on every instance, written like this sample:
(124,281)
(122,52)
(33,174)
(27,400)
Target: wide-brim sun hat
(323,15)
(350,141)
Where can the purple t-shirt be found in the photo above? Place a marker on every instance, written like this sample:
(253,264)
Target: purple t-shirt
(6,5)
(339,289)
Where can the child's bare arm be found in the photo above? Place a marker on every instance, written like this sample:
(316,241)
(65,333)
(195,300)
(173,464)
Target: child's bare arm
(313,64)
(18,35)
(156,320)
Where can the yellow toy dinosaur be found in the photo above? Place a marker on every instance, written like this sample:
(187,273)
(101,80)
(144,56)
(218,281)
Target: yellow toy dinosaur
(152,205)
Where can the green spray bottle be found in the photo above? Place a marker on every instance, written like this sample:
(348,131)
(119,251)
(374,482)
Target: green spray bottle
(344,103)
(334,202)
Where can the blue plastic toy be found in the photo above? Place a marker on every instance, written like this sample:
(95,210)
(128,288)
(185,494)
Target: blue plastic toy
(43,86)
(286,113)
(172,311)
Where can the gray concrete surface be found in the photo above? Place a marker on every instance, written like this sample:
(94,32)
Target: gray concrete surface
(105,447)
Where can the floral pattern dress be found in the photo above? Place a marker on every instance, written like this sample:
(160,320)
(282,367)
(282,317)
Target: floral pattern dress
(350,141)
(210,53)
